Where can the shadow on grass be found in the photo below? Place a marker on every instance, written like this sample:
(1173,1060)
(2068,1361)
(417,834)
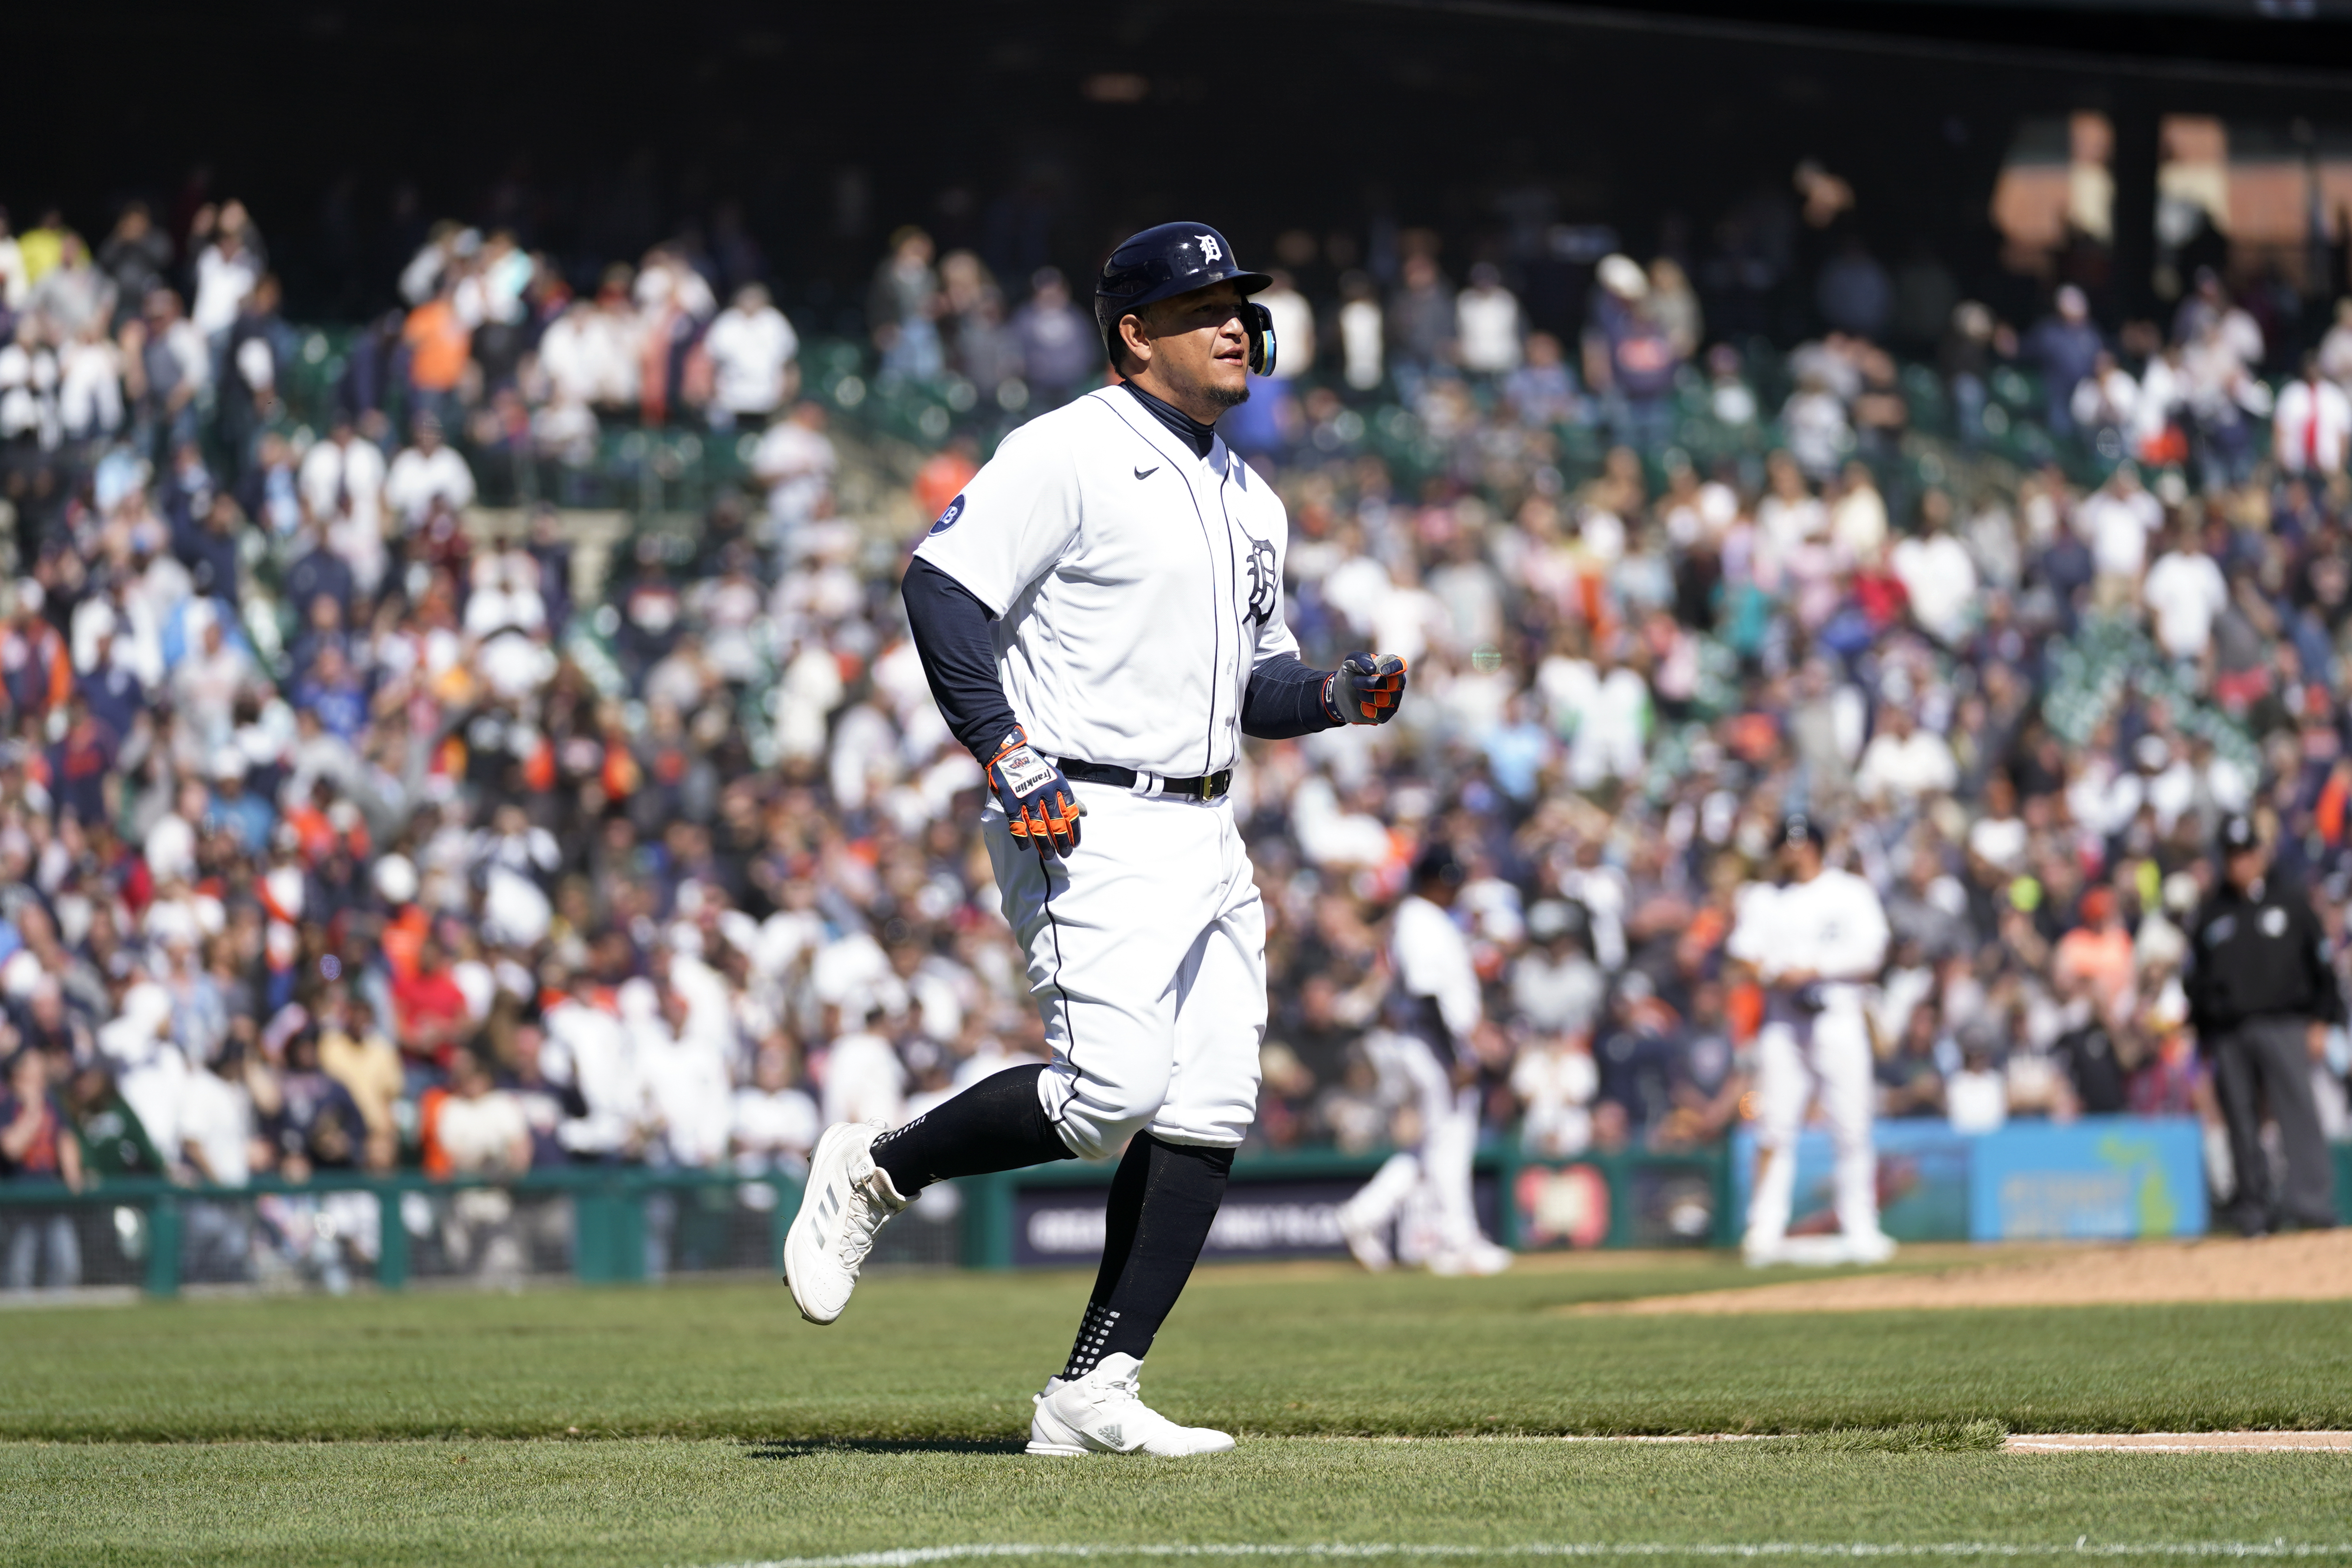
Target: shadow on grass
(782,1448)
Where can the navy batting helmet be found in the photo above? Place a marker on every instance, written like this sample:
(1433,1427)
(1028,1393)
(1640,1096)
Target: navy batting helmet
(1799,828)
(1176,258)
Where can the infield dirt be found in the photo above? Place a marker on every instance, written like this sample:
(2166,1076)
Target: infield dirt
(2311,1267)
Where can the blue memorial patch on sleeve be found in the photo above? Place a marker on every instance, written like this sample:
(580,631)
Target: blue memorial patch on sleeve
(948,519)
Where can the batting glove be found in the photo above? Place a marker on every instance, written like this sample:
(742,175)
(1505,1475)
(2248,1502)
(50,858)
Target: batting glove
(1039,803)
(1364,689)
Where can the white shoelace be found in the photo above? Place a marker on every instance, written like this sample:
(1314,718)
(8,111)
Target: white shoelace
(865,1215)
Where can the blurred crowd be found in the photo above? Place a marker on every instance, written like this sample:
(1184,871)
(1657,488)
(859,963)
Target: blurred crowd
(346,827)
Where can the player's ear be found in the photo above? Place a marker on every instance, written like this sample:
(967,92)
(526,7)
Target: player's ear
(1136,338)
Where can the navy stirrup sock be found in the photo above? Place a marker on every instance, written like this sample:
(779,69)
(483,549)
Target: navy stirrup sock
(1162,1202)
(997,1124)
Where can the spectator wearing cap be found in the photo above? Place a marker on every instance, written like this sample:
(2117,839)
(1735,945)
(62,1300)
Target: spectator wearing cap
(1628,357)
(2261,996)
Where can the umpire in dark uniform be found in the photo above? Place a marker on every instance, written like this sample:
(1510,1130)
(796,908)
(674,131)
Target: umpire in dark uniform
(2261,994)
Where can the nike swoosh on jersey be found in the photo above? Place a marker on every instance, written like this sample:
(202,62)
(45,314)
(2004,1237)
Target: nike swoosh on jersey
(1147,473)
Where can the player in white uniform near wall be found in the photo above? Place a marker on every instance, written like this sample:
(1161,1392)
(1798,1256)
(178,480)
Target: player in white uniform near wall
(1814,942)
(1101,618)
(1435,1009)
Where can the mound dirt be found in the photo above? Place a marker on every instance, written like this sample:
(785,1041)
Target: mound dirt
(2311,1267)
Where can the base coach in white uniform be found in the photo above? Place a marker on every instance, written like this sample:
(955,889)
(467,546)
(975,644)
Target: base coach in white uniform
(1813,943)
(1436,1008)
(1100,617)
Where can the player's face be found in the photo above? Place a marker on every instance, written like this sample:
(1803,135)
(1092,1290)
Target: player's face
(1199,349)
(1799,860)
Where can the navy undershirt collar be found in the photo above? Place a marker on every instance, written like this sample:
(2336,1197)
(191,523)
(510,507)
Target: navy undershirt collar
(1187,429)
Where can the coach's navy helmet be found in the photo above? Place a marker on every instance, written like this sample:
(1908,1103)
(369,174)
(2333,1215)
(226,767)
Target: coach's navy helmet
(1798,828)
(1176,258)
(1437,865)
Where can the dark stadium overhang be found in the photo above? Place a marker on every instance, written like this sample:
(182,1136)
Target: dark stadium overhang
(1083,123)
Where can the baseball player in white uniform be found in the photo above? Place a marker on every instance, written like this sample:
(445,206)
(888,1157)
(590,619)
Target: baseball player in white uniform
(1814,943)
(1101,618)
(1435,1007)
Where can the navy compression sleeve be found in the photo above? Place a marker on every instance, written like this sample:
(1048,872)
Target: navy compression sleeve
(1285,699)
(958,654)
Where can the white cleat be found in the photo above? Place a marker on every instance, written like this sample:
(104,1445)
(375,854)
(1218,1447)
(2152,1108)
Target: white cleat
(1372,1248)
(1104,1412)
(1487,1258)
(847,1199)
(1872,1246)
(1763,1252)
(1479,1257)
(1831,1250)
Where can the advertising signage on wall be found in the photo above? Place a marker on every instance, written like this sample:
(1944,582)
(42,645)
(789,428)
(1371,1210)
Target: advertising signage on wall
(2099,1177)
(1061,1226)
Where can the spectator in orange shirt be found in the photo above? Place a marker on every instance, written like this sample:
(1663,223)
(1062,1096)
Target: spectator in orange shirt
(430,1008)
(2095,959)
(440,345)
(942,478)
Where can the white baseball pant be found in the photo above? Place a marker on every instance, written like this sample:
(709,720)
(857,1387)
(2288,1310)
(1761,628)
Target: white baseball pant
(1427,1187)
(1828,1057)
(1146,959)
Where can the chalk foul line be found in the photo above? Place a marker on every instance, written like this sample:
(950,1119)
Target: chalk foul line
(914,1556)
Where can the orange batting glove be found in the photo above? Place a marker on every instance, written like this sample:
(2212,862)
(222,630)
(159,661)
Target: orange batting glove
(1364,689)
(1039,804)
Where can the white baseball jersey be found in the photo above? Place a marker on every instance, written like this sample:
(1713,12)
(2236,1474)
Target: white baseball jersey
(1433,959)
(1831,925)
(1136,586)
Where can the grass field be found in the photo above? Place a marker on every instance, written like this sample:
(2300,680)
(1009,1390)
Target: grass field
(705,1423)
